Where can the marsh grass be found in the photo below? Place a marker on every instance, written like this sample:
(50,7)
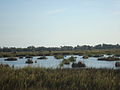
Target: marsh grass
(42,57)
(59,57)
(78,65)
(29,78)
(11,59)
(109,59)
(67,61)
(53,53)
(29,61)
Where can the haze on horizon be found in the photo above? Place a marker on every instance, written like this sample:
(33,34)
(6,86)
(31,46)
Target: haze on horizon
(59,22)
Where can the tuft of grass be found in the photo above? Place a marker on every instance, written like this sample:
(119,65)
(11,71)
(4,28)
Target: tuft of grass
(77,65)
(85,57)
(42,57)
(109,59)
(11,59)
(67,61)
(59,56)
(117,64)
(29,61)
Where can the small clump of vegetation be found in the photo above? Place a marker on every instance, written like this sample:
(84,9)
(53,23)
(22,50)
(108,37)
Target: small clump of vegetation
(67,61)
(72,59)
(28,57)
(59,56)
(117,55)
(85,57)
(11,59)
(117,64)
(109,59)
(29,61)
(77,65)
(97,55)
(21,57)
(42,57)
(35,61)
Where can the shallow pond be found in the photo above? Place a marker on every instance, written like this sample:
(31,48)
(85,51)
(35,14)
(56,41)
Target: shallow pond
(51,62)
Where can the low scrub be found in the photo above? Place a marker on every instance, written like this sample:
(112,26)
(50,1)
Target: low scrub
(42,57)
(67,61)
(77,65)
(11,59)
(59,56)
(117,64)
(109,59)
(29,61)
(85,57)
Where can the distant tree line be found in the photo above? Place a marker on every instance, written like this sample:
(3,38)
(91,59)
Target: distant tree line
(62,48)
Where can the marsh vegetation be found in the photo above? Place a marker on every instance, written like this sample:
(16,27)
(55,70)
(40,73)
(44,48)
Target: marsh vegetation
(79,77)
(109,59)
(42,57)
(29,61)
(78,65)
(58,79)
(59,56)
(11,59)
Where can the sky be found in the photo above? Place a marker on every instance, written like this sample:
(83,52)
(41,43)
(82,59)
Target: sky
(59,22)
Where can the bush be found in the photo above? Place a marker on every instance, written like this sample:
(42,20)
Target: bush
(42,57)
(109,59)
(72,59)
(117,64)
(11,59)
(85,57)
(79,64)
(59,56)
(29,61)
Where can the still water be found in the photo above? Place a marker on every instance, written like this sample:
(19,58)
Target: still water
(51,62)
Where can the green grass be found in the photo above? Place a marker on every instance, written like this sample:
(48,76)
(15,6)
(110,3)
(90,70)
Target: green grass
(58,79)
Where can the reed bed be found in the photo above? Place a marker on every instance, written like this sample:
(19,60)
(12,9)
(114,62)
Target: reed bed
(29,78)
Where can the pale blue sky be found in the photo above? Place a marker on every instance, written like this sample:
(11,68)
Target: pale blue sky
(59,22)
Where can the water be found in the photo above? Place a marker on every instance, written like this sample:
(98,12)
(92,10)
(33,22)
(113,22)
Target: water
(51,62)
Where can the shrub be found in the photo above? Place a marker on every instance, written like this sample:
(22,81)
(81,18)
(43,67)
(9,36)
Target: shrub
(59,56)
(42,57)
(79,64)
(85,57)
(117,64)
(29,61)
(109,59)
(11,59)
